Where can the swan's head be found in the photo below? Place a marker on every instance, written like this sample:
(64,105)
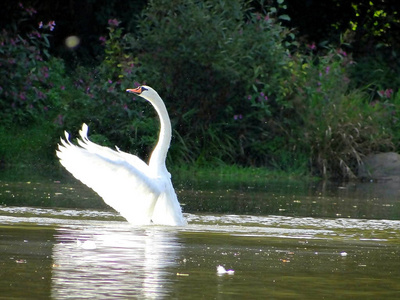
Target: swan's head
(144,91)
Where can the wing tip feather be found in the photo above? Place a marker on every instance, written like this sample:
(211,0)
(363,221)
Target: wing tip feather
(84,131)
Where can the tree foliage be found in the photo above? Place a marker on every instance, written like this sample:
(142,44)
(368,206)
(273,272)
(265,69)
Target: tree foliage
(240,85)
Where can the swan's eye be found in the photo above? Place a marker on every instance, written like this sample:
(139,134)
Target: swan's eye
(144,89)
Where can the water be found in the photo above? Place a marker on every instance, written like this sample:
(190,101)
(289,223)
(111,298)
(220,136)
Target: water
(284,241)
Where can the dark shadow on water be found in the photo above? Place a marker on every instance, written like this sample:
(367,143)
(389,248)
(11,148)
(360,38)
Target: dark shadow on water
(219,194)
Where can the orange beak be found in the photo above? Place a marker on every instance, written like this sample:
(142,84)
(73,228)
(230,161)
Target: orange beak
(137,91)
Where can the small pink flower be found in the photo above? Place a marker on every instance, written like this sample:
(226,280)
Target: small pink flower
(385,93)
(113,22)
(327,69)
(31,11)
(343,53)
(312,46)
(103,40)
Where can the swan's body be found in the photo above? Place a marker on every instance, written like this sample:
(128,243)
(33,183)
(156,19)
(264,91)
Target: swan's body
(142,193)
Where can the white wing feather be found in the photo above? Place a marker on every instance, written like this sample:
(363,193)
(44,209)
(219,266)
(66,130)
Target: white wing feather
(124,181)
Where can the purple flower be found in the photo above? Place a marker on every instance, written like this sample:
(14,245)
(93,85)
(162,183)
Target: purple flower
(59,120)
(385,93)
(40,95)
(343,53)
(238,117)
(327,69)
(388,93)
(45,72)
(51,25)
(40,24)
(312,46)
(31,11)
(103,40)
(113,22)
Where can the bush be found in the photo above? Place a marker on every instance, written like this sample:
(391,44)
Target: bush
(25,75)
(220,67)
(339,125)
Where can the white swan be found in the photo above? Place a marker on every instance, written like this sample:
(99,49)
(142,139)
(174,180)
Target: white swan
(142,193)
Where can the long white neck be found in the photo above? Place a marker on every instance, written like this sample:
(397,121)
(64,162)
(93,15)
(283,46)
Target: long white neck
(157,158)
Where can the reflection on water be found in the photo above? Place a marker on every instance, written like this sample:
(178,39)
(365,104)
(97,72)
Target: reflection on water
(330,200)
(284,241)
(118,261)
(302,199)
(90,254)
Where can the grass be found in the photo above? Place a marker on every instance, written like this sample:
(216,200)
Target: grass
(30,153)
(235,173)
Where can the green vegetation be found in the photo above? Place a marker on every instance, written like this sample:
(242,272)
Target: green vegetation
(242,90)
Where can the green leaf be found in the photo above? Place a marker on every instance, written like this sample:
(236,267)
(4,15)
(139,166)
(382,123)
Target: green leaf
(284,17)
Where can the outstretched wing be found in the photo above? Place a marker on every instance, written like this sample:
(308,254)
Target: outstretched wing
(123,180)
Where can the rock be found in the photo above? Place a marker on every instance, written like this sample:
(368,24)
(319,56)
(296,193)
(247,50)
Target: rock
(380,167)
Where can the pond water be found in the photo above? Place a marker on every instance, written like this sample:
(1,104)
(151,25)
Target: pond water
(284,240)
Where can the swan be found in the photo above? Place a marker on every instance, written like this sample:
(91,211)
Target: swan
(142,193)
